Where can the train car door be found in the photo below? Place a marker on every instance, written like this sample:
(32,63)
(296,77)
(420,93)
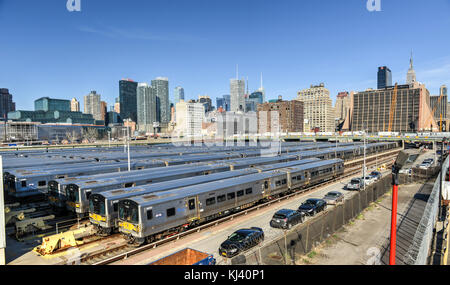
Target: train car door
(193,208)
(266,187)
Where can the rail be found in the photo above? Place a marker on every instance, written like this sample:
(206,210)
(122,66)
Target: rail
(348,173)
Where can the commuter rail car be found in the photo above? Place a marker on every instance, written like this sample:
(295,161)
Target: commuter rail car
(57,187)
(103,205)
(77,194)
(154,216)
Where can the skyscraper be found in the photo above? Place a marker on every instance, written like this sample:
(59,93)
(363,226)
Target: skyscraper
(384,77)
(411,75)
(74,105)
(443,90)
(161,88)
(128,99)
(237,91)
(318,107)
(146,107)
(6,103)
(178,94)
(207,103)
(92,105)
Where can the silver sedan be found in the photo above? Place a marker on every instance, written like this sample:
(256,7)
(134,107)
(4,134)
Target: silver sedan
(333,197)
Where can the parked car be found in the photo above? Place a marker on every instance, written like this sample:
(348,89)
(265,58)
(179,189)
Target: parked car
(355,184)
(240,241)
(285,219)
(312,206)
(425,165)
(405,171)
(368,180)
(333,197)
(377,175)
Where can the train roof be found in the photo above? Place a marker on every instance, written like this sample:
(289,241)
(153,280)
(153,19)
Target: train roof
(189,191)
(178,183)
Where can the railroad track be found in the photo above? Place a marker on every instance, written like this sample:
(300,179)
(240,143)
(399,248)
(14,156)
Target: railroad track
(124,251)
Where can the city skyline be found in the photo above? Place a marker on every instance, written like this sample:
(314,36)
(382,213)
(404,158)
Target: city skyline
(288,64)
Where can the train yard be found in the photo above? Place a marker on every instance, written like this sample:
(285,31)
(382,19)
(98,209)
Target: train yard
(70,194)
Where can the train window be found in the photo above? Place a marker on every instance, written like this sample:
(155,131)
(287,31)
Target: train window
(230,196)
(116,206)
(170,212)
(149,181)
(128,185)
(294,178)
(41,183)
(277,183)
(191,204)
(149,214)
(266,184)
(240,193)
(299,177)
(221,198)
(248,191)
(24,184)
(284,182)
(88,194)
(210,201)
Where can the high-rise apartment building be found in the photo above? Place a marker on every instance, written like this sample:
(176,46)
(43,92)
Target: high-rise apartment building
(237,93)
(178,94)
(6,103)
(290,116)
(440,103)
(161,87)
(146,107)
(92,105)
(384,77)
(189,118)
(117,106)
(318,108)
(74,105)
(128,99)
(103,110)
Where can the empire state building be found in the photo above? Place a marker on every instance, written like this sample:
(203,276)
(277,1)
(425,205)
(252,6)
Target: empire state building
(411,75)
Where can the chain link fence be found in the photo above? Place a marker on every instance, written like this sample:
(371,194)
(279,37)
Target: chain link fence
(300,240)
(419,251)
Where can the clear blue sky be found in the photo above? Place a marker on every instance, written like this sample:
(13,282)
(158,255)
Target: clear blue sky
(47,51)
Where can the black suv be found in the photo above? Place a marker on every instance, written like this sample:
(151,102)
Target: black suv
(312,206)
(285,219)
(240,241)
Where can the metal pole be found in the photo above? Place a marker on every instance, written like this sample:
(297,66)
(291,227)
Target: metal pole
(2,218)
(364,170)
(109,139)
(394,216)
(128,143)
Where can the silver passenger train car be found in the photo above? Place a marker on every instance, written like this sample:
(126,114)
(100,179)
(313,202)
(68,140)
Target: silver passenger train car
(103,205)
(151,217)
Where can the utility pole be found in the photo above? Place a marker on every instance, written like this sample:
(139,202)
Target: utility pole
(128,143)
(2,218)
(109,139)
(364,169)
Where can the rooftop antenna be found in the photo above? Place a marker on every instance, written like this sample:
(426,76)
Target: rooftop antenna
(247,85)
